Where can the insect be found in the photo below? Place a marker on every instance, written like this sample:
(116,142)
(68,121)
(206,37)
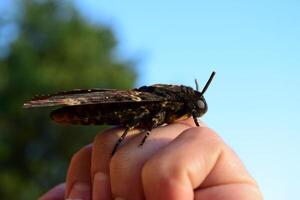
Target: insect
(146,107)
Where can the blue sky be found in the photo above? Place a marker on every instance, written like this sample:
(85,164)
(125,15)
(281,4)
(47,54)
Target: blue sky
(254,46)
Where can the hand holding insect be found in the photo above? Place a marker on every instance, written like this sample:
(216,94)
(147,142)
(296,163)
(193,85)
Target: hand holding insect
(179,161)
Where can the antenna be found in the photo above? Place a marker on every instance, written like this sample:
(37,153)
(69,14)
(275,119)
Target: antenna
(196,82)
(208,82)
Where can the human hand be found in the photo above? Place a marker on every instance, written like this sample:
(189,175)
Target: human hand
(178,161)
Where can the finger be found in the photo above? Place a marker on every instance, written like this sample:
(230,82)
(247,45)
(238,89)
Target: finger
(101,156)
(196,159)
(56,193)
(105,141)
(127,163)
(233,191)
(79,176)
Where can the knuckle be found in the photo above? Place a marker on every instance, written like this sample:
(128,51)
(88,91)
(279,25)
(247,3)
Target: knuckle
(84,151)
(158,168)
(204,133)
(106,136)
(158,172)
(101,137)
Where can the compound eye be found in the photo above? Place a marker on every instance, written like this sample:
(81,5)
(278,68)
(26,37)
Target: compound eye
(201,104)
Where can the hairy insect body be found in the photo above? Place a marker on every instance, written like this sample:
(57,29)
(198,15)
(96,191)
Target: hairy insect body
(116,114)
(170,107)
(146,107)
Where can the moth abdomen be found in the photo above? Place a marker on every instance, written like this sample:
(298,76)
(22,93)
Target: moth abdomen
(84,115)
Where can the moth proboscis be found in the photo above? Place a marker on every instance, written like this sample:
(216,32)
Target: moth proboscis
(146,107)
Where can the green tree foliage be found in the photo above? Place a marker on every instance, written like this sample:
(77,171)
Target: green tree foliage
(55,50)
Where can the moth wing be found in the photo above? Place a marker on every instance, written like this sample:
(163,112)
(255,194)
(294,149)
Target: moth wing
(93,96)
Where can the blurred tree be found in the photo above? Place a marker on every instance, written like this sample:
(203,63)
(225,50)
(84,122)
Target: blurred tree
(55,49)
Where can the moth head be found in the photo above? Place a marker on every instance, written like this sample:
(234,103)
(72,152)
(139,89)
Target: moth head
(200,108)
(201,105)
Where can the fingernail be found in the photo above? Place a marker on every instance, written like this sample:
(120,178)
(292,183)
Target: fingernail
(80,191)
(99,176)
(119,198)
(73,199)
(101,186)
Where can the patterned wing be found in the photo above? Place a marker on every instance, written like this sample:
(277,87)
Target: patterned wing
(92,96)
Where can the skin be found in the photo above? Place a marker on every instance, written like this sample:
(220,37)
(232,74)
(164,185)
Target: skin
(178,161)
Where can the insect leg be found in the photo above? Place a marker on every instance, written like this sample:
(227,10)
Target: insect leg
(132,125)
(157,120)
(195,119)
(147,133)
(121,139)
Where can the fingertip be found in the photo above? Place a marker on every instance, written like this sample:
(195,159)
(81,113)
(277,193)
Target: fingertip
(79,173)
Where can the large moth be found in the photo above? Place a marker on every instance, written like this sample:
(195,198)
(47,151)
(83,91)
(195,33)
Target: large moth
(146,107)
